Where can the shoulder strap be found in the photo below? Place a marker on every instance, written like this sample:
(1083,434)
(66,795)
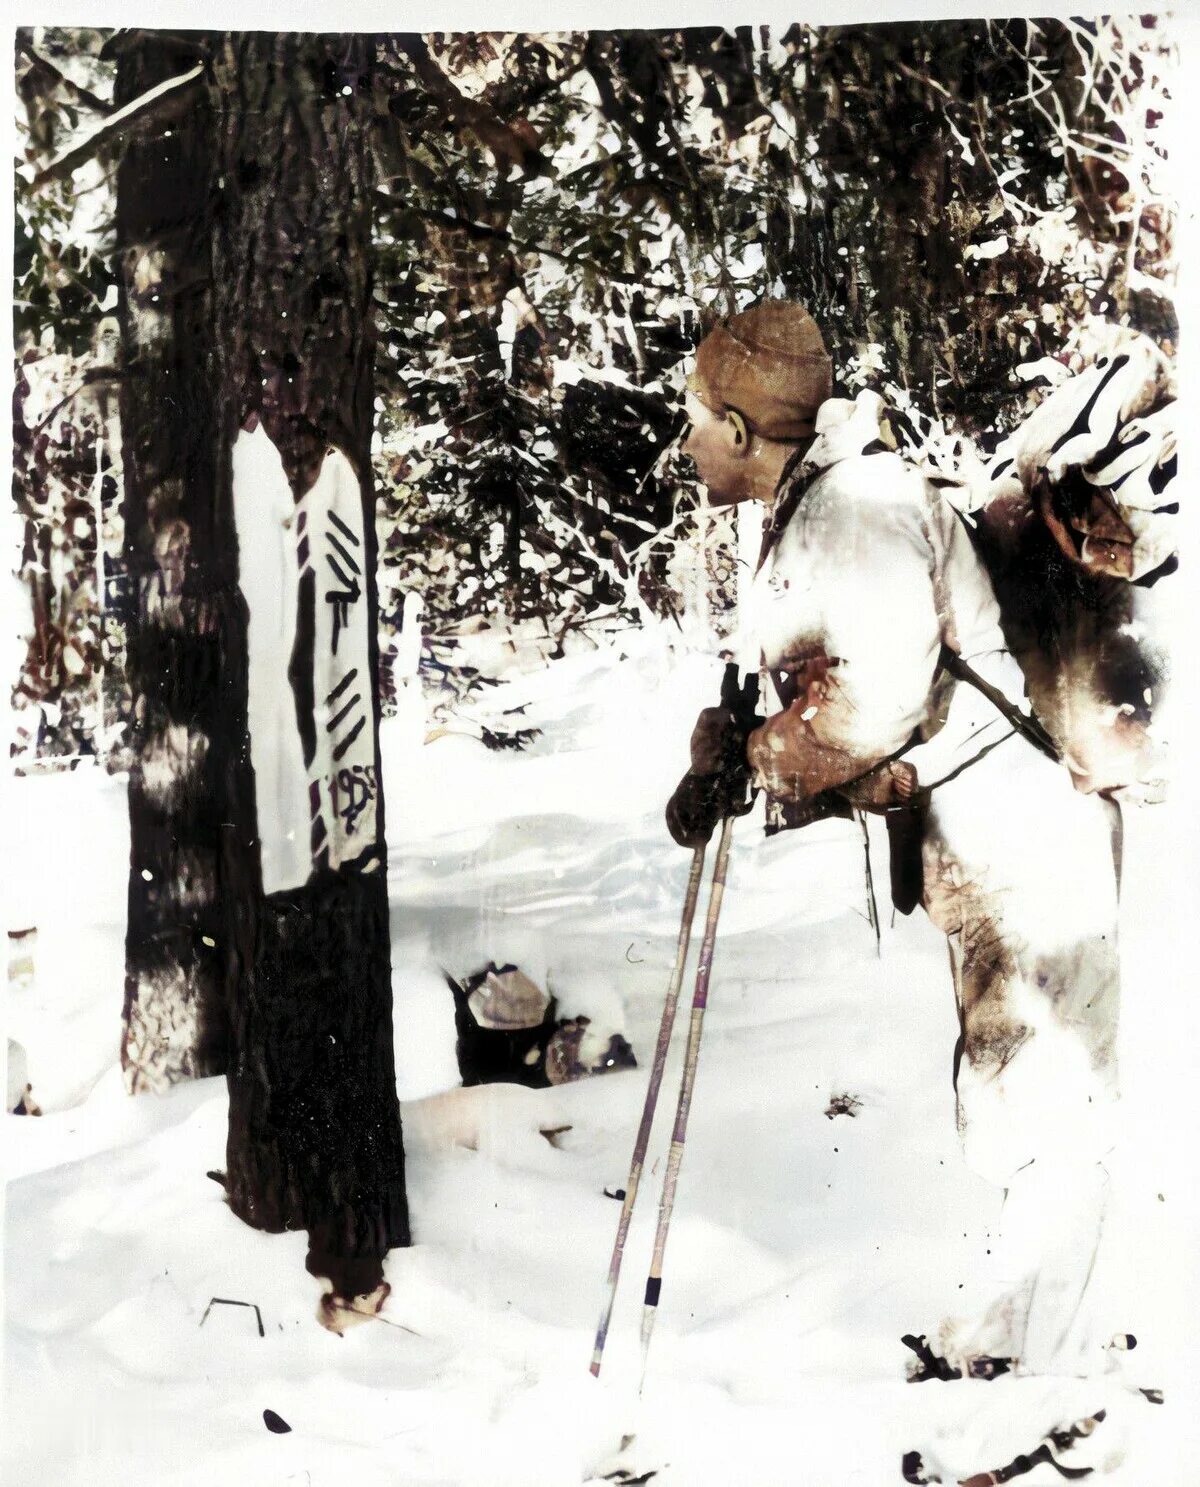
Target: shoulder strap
(793,487)
(795,481)
(1025,724)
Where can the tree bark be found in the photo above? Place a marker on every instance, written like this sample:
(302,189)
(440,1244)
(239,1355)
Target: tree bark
(314,1123)
(258,935)
(182,628)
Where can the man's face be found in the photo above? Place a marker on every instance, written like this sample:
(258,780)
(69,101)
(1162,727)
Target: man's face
(717,447)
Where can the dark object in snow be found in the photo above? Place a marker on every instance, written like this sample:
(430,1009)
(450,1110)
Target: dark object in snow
(224,1301)
(1155,1396)
(913,1468)
(27,1105)
(508,1033)
(619,1194)
(217,1177)
(275,1423)
(504,999)
(569,1057)
(843,1105)
(490,1052)
(517,739)
(552,1133)
(1123,1342)
(627,1479)
(931,1366)
(340,1309)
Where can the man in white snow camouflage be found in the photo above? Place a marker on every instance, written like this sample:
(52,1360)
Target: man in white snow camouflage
(868,599)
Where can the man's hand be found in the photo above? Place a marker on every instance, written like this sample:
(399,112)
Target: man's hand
(904,781)
(893,783)
(718,742)
(718,783)
(695,809)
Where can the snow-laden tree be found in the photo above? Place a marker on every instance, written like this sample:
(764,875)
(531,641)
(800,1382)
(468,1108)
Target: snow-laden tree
(68,696)
(950,199)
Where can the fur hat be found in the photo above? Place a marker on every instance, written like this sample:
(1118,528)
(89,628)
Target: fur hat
(506,999)
(769,363)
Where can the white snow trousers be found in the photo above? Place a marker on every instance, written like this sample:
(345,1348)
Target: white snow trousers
(1019,874)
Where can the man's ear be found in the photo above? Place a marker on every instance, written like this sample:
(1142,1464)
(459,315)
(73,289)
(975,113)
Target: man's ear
(741,432)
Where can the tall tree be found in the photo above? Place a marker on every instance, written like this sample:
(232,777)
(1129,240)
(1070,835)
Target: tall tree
(182,627)
(314,1135)
(253,523)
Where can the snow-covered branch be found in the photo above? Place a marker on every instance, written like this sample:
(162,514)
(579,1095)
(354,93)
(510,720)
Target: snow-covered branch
(158,104)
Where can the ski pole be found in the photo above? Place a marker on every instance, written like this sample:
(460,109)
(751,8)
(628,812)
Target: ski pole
(642,1141)
(691,1058)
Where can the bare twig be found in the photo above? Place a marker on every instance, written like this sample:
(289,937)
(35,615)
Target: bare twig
(224,1301)
(77,90)
(926,82)
(399,1326)
(89,379)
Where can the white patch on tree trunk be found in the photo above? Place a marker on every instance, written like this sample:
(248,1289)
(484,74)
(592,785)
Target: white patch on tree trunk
(164,1031)
(149,307)
(265,514)
(195,876)
(170,762)
(323,813)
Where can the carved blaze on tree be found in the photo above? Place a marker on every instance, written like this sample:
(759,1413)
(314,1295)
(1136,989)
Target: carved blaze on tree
(270,566)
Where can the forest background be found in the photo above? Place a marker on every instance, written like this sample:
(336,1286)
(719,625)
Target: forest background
(558,218)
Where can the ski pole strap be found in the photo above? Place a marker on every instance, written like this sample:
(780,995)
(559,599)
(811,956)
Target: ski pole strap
(1023,723)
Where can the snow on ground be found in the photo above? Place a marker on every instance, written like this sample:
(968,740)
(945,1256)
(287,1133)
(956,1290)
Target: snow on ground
(802,1246)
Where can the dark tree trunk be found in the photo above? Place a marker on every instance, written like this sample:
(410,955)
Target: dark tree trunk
(254,946)
(182,625)
(314,1123)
